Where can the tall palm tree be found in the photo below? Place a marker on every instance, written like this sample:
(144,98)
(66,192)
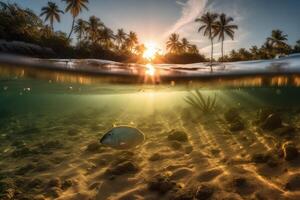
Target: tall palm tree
(207,22)
(223,28)
(173,43)
(52,13)
(94,24)
(185,44)
(120,37)
(75,7)
(80,29)
(132,40)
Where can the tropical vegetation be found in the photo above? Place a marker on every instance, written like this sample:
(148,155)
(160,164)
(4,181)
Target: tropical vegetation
(91,38)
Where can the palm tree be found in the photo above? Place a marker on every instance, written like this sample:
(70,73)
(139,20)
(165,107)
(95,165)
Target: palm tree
(297,47)
(207,22)
(140,49)
(132,40)
(224,27)
(255,52)
(193,49)
(278,41)
(105,36)
(94,24)
(185,44)
(277,38)
(75,7)
(80,29)
(52,13)
(120,37)
(173,43)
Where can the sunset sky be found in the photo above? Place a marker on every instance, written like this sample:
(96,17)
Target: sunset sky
(154,20)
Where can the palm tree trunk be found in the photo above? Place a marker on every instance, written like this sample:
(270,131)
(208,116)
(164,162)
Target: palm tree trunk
(73,23)
(222,49)
(212,53)
(51,24)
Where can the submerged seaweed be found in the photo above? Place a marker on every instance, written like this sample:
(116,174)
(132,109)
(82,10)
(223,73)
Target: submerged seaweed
(199,102)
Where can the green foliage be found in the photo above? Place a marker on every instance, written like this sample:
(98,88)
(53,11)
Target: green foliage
(274,45)
(183,58)
(96,40)
(199,102)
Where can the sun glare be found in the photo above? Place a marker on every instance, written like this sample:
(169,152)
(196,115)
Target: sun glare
(151,50)
(150,70)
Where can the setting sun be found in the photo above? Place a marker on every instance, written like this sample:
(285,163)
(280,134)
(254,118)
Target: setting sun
(151,50)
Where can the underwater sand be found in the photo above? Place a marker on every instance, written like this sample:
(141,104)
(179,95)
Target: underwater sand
(50,147)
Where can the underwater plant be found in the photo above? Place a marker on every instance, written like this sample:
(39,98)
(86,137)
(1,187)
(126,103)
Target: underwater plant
(198,101)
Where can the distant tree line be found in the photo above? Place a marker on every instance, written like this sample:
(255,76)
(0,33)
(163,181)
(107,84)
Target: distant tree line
(275,45)
(95,40)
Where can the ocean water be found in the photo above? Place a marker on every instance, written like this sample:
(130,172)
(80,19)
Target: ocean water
(241,141)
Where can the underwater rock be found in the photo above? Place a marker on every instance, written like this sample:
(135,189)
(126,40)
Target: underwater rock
(55,182)
(272,122)
(285,131)
(290,151)
(184,195)
(188,149)
(126,167)
(93,147)
(54,192)
(236,126)
(67,184)
(209,175)
(179,136)
(243,186)
(293,183)
(176,145)
(263,114)
(161,183)
(240,182)
(204,192)
(260,158)
(232,115)
(155,157)
(35,183)
(123,137)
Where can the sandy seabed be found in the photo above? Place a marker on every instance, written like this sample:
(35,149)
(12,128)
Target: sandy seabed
(239,155)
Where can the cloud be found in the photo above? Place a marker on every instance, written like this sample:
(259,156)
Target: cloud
(185,26)
(191,9)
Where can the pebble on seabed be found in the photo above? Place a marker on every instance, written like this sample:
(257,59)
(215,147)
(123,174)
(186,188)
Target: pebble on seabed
(290,151)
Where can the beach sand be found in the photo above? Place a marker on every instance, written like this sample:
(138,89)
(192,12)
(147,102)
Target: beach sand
(206,158)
